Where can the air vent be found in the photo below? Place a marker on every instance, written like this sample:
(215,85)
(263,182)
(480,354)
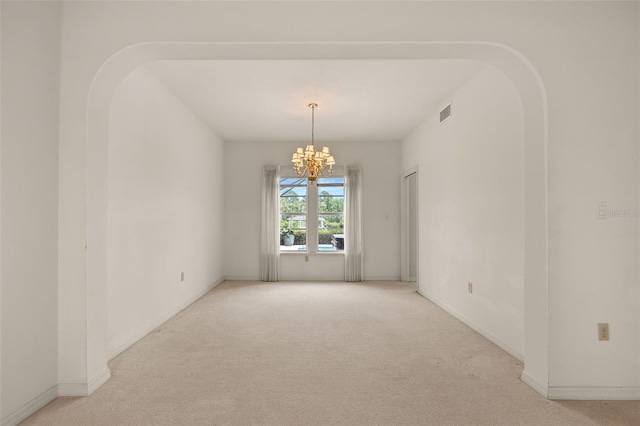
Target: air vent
(445,113)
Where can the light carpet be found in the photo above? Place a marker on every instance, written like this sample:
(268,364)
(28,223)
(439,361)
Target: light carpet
(320,353)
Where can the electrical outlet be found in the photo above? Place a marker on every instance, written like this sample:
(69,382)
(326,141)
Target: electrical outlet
(470,287)
(306,258)
(603,331)
(181,276)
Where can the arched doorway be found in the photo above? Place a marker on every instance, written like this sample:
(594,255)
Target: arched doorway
(510,62)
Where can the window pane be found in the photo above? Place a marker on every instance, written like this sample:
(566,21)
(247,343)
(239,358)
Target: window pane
(293,195)
(331,194)
(330,214)
(331,180)
(293,216)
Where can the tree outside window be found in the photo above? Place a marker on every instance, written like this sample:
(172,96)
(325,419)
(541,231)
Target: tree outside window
(302,204)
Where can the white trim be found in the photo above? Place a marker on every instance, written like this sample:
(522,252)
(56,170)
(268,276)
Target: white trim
(143,331)
(622,393)
(84,389)
(535,384)
(404,226)
(98,381)
(394,278)
(31,407)
(318,253)
(247,278)
(487,335)
(376,278)
(73,389)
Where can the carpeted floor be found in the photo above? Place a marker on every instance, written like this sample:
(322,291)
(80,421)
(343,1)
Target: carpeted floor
(330,353)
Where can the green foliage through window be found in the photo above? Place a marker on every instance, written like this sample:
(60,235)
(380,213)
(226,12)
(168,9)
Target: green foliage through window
(294,212)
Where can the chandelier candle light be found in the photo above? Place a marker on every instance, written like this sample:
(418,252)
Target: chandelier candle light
(309,162)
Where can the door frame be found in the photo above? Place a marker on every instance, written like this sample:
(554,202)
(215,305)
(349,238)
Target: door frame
(404,226)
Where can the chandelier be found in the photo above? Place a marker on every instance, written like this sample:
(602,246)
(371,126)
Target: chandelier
(310,163)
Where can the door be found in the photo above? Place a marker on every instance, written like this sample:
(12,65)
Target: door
(410,227)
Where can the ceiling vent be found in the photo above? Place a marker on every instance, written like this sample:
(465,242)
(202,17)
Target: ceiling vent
(445,113)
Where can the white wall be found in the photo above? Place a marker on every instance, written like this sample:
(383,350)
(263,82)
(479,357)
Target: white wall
(30,77)
(471,207)
(593,156)
(586,58)
(165,213)
(1,212)
(381,207)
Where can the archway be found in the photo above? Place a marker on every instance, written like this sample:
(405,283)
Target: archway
(510,62)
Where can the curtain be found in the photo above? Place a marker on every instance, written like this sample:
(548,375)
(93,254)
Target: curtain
(270,235)
(353,224)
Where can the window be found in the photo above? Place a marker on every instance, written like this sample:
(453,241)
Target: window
(293,214)
(304,203)
(330,213)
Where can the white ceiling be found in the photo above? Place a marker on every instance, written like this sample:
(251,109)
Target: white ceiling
(359,100)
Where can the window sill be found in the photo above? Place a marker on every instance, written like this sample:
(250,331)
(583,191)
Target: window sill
(306,253)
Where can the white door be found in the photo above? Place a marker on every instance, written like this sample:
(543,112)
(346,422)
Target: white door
(413,227)
(412,222)
(409,245)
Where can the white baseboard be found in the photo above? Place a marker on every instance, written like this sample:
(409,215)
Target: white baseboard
(73,389)
(517,355)
(238,278)
(61,389)
(143,331)
(233,278)
(535,384)
(606,393)
(31,407)
(378,278)
(98,381)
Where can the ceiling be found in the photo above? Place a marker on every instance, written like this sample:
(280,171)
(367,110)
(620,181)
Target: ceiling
(358,100)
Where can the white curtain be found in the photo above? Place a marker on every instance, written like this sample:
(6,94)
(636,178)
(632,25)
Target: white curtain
(270,238)
(353,224)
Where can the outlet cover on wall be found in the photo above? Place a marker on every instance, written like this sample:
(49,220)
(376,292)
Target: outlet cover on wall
(181,276)
(445,113)
(470,287)
(603,331)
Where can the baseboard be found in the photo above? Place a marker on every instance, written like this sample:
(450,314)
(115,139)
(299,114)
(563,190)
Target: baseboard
(536,385)
(98,381)
(237,278)
(143,331)
(84,389)
(517,355)
(31,407)
(73,389)
(378,278)
(606,393)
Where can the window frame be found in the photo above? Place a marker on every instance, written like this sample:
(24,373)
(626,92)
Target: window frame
(304,213)
(312,214)
(321,214)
